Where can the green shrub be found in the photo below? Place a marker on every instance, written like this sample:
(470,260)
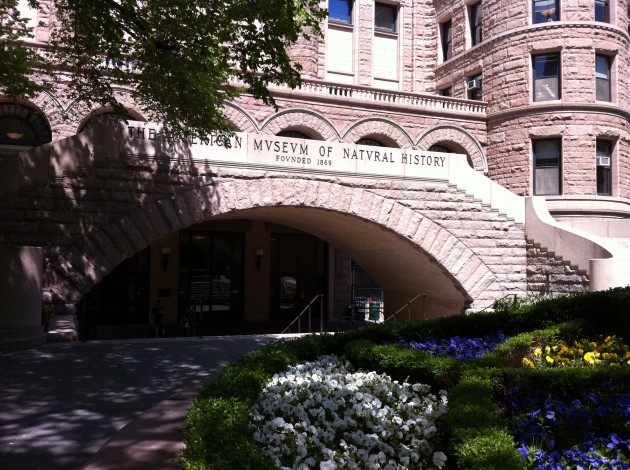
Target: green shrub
(479,438)
(401,363)
(218,436)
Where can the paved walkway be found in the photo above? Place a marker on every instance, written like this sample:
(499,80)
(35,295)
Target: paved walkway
(106,404)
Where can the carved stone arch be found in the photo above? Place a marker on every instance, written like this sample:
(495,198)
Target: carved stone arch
(458,139)
(74,270)
(309,122)
(108,113)
(79,112)
(240,119)
(50,106)
(383,130)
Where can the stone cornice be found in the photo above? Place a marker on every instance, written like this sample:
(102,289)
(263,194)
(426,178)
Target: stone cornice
(559,107)
(490,43)
(602,206)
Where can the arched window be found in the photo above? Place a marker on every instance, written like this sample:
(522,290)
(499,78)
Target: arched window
(444,149)
(372,142)
(21,128)
(440,148)
(294,135)
(107,117)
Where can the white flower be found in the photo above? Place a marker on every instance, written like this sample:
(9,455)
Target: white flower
(439,459)
(346,419)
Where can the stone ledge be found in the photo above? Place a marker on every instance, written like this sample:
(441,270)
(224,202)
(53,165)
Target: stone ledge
(63,328)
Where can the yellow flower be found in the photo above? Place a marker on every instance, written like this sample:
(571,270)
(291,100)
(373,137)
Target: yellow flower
(591,357)
(528,363)
(537,352)
(549,359)
(547,350)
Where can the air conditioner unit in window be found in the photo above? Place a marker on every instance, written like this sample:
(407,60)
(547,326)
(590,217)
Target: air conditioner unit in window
(474,84)
(603,161)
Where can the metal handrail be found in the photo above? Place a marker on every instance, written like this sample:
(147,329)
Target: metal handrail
(408,307)
(308,307)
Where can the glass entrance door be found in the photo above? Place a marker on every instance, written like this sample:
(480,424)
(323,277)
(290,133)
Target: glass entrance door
(211,275)
(298,273)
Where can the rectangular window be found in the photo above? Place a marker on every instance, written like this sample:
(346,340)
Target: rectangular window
(545,10)
(447,40)
(385,17)
(448,91)
(475,16)
(603,162)
(474,86)
(602,11)
(340,11)
(546,77)
(602,77)
(546,166)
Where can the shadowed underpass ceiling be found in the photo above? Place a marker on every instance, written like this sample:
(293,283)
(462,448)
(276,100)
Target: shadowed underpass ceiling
(399,267)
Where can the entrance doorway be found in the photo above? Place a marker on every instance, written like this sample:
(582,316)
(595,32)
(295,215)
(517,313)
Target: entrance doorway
(298,273)
(211,275)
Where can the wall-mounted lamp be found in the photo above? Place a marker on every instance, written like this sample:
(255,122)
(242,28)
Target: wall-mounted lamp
(259,255)
(14,131)
(166,251)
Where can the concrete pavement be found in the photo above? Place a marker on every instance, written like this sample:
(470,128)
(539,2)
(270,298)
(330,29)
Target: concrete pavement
(106,404)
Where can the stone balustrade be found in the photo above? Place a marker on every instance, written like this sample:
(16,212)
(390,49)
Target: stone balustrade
(419,101)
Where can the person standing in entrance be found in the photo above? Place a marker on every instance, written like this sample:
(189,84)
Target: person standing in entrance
(158,319)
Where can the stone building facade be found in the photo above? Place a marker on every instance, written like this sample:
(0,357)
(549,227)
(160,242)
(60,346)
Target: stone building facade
(527,99)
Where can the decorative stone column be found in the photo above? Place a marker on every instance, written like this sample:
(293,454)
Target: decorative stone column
(21,277)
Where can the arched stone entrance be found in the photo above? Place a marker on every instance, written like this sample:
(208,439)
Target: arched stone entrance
(418,233)
(407,252)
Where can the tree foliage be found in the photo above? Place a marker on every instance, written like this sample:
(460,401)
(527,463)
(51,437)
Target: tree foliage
(17,61)
(180,59)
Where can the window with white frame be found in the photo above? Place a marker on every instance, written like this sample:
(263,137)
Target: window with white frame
(547,84)
(602,77)
(547,163)
(544,11)
(446,36)
(340,42)
(386,17)
(602,11)
(603,163)
(475,17)
(474,87)
(340,11)
(385,46)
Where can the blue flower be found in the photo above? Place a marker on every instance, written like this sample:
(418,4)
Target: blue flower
(523,450)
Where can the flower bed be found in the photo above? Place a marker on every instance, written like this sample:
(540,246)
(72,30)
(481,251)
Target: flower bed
(587,429)
(321,414)
(457,347)
(537,430)
(609,352)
